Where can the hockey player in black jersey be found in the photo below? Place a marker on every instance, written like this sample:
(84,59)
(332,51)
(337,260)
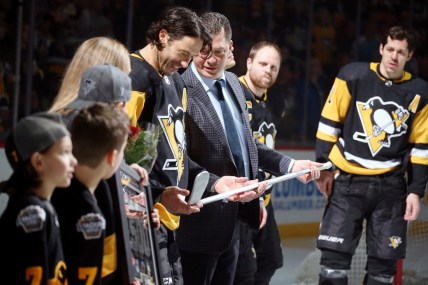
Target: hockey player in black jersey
(373,129)
(40,152)
(260,253)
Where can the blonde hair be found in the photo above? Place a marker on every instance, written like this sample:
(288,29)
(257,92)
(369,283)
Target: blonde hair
(94,51)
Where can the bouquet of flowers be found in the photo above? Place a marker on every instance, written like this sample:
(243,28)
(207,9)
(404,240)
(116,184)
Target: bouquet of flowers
(142,145)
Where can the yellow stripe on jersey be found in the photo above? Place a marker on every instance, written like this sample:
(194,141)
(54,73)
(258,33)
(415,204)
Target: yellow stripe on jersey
(184,99)
(267,200)
(110,256)
(136,55)
(242,79)
(170,221)
(338,102)
(327,133)
(135,106)
(338,160)
(419,160)
(419,156)
(406,76)
(419,131)
(326,137)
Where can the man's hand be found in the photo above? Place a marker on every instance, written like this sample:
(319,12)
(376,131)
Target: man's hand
(413,207)
(173,203)
(307,164)
(325,182)
(142,172)
(228,183)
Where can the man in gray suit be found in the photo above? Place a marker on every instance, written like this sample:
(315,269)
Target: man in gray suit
(208,241)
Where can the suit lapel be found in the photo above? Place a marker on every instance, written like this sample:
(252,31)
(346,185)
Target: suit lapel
(198,95)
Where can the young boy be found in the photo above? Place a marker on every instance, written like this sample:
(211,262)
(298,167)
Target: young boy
(99,134)
(40,152)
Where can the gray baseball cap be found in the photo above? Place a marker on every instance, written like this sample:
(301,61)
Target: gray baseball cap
(34,133)
(102,83)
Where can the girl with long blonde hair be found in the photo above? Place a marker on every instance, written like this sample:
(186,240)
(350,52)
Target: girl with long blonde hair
(94,51)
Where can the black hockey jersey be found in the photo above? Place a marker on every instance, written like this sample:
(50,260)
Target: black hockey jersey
(30,243)
(162,100)
(260,117)
(371,125)
(82,230)
(262,123)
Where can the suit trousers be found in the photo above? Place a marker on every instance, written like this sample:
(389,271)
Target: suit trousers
(260,253)
(211,269)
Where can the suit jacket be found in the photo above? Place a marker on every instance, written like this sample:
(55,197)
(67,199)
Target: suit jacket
(211,230)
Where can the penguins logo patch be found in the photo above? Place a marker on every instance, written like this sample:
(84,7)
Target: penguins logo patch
(381,121)
(266,134)
(88,86)
(395,241)
(173,128)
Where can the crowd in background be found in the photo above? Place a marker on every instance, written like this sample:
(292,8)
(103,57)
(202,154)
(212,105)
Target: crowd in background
(338,32)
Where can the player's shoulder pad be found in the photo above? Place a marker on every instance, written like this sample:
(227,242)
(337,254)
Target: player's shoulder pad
(354,71)
(178,80)
(420,87)
(248,94)
(143,76)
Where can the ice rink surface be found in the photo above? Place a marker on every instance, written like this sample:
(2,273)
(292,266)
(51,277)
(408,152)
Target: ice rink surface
(295,251)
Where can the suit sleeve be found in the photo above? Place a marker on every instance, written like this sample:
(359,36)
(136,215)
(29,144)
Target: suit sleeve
(272,161)
(195,169)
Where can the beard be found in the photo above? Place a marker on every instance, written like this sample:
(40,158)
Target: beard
(265,81)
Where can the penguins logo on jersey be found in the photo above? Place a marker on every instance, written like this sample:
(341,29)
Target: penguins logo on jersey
(395,241)
(381,121)
(173,127)
(266,134)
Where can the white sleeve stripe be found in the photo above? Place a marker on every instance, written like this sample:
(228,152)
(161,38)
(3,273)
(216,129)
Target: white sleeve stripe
(372,164)
(328,130)
(419,152)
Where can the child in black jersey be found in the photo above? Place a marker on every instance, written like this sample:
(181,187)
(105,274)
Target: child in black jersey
(40,152)
(99,134)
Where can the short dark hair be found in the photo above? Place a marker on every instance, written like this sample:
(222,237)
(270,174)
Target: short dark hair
(259,45)
(97,130)
(400,33)
(215,22)
(178,22)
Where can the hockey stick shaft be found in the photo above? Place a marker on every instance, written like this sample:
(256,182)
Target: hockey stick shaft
(272,181)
